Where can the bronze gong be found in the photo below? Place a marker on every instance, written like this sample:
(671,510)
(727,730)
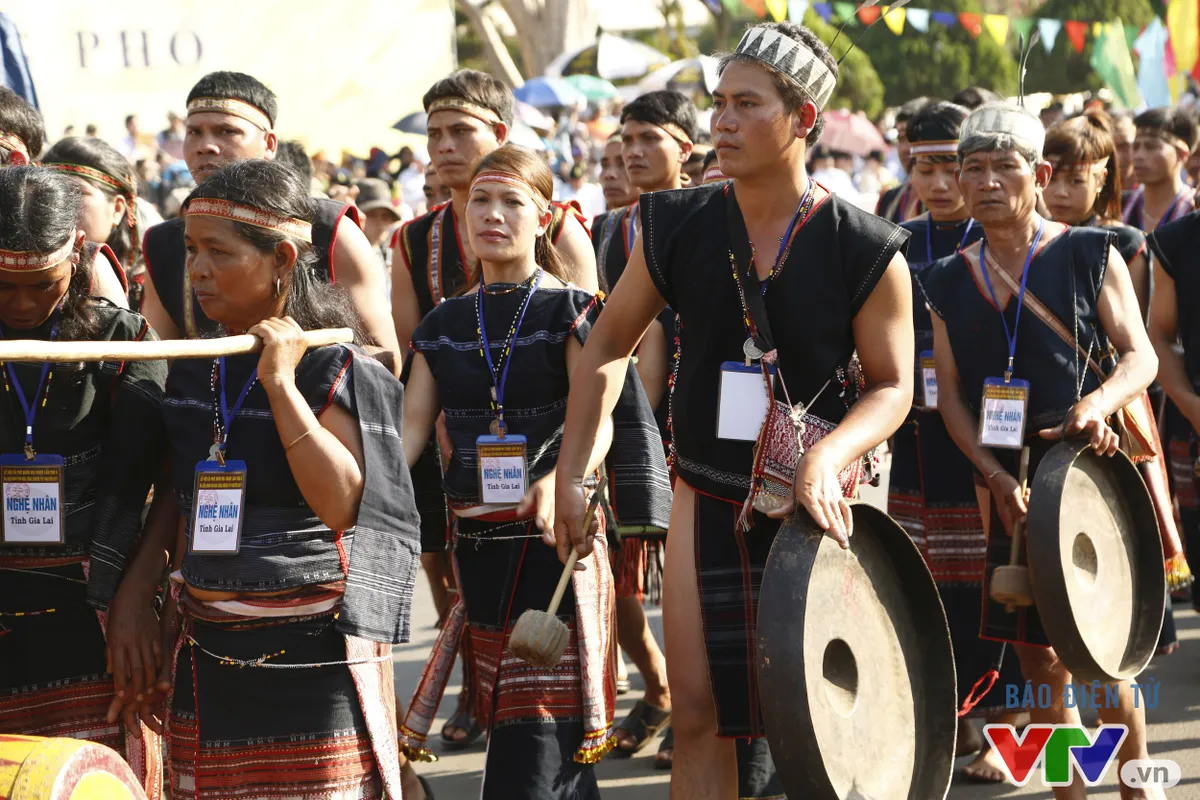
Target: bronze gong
(855,668)
(1096,562)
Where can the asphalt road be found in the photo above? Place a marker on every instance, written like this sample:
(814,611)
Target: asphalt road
(1174,730)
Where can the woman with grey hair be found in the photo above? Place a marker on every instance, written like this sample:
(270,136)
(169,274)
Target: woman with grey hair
(1018,359)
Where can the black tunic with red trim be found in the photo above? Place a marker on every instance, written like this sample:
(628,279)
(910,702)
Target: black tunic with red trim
(836,260)
(612,239)
(166,254)
(434,253)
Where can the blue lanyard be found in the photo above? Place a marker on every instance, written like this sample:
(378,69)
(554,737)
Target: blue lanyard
(228,414)
(787,236)
(1170,212)
(929,238)
(498,385)
(632,228)
(1010,336)
(30,409)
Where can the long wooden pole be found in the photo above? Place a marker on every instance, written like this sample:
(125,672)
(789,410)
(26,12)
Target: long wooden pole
(59,352)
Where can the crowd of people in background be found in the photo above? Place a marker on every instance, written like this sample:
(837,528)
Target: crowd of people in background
(613,238)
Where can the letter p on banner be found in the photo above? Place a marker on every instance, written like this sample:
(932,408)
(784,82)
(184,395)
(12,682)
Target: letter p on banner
(1150,772)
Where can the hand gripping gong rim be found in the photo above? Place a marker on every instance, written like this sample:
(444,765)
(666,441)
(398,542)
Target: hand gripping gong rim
(855,667)
(1100,587)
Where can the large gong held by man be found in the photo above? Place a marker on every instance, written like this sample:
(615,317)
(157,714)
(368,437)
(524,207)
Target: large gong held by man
(1007,312)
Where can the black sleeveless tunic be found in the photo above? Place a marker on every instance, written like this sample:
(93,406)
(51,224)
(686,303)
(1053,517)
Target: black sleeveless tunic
(1066,276)
(836,260)
(434,253)
(612,239)
(1174,247)
(942,239)
(166,255)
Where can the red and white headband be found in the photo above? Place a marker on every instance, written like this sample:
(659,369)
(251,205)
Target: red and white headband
(228,105)
(941,147)
(34,261)
(514,182)
(16,145)
(259,218)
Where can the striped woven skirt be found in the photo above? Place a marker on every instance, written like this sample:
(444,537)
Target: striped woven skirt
(279,708)
(932,495)
(53,675)
(534,716)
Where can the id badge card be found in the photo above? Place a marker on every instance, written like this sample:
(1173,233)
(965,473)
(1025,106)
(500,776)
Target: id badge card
(742,401)
(218,508)
(33,499)
(929,379)
(1002,413)
(502,469)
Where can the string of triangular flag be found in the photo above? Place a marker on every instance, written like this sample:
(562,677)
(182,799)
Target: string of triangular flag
(997,26)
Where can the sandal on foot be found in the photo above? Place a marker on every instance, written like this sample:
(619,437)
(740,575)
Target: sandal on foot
(662,761)
(463,721)
(642,724)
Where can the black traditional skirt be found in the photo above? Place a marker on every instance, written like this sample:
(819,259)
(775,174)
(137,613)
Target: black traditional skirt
(932,495)
(318,728)
(534,716)
(53,676)
(729,571)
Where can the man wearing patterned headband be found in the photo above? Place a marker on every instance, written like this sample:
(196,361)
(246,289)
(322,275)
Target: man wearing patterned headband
(21,130)
(231,117)
(773,270)
(1073,286)
(1165,138)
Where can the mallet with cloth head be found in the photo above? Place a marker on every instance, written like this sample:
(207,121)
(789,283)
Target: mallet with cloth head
(1010,584)
(540,638)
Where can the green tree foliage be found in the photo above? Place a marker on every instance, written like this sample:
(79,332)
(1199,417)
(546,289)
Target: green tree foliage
(1064,71)
(937,63)
(859,88)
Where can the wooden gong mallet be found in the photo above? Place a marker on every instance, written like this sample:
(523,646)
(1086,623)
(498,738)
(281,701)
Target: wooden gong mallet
(1010,584)
(540,638)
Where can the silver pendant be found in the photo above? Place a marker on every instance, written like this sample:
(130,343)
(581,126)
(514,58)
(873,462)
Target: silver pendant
(751,350)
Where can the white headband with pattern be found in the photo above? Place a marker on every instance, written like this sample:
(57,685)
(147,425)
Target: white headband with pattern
(783,53)
(1013,120)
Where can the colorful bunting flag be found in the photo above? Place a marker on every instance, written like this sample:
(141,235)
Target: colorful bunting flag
(1113,63)
(796,9)
(845,11)
(778,9)
(759,7)
(1049,29)
(997,26)
(1131,34)
(824,10)
(1153,66)
(732,6)
(1077,33)
(894,20)
(972,22)
(918,18)
(869,14)
(1183,22)
(713,5)
(947,18)
(1023,26)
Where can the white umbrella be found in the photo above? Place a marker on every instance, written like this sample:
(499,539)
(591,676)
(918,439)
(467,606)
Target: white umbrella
(686,75)
(522,134)
(533,117)
(611,57)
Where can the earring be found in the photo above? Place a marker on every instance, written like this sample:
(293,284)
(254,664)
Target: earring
(277,285)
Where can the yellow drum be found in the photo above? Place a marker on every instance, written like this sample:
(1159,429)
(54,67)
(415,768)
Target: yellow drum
(33,768)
